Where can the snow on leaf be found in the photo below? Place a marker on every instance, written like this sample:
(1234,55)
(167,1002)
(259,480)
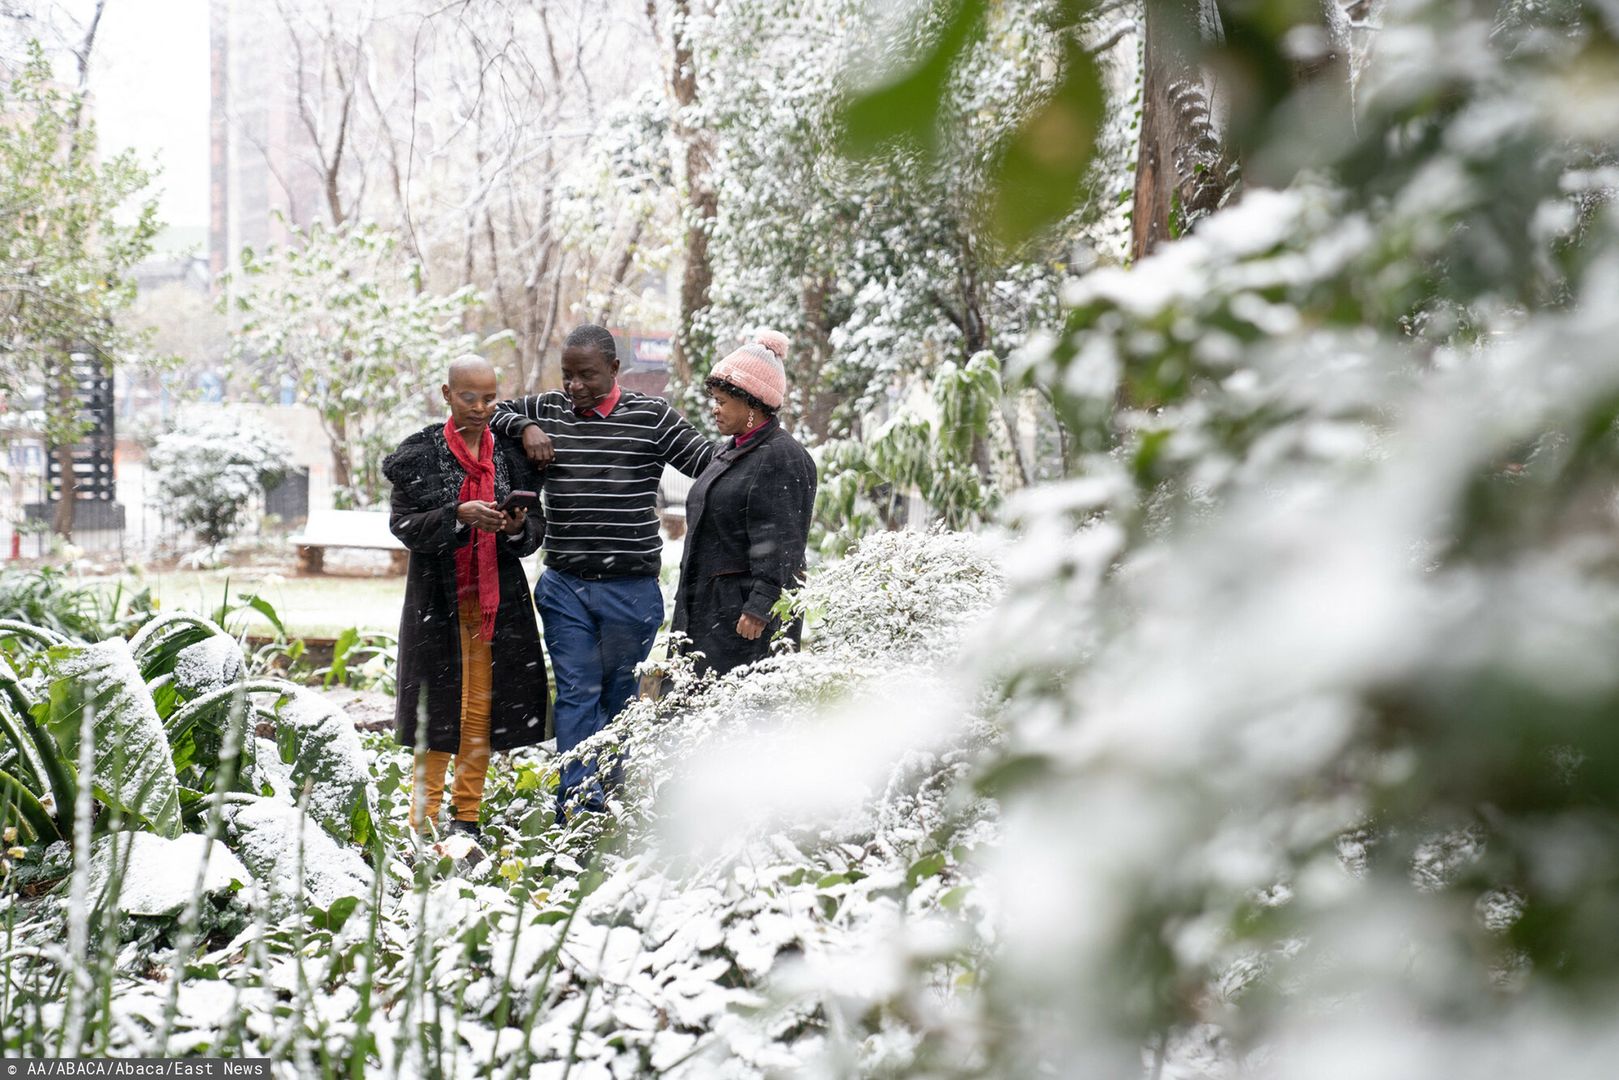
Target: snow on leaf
(133,769)
(160,873)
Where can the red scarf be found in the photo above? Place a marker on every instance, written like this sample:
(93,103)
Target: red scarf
(476,572)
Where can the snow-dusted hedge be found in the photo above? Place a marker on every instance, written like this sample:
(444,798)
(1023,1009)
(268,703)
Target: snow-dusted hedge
(212,474)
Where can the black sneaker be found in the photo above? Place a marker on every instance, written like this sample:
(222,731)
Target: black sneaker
(470,828)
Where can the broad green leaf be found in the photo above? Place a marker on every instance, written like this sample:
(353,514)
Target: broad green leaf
(157,645)
(1038,180)
(267,834)
(906,108)
(133,771)
(317,739)
(207,665)
(157,876)
(340,911)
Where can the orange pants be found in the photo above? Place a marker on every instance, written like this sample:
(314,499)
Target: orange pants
(472,759)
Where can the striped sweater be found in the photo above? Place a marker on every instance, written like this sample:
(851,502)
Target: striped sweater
(601,491)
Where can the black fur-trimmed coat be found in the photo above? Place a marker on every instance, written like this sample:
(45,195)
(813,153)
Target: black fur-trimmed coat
(747,525)
(426,482)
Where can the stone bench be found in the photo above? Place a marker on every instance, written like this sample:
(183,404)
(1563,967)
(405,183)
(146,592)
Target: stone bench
(346,529)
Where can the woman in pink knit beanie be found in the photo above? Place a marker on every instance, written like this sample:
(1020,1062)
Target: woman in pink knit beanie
(747,516)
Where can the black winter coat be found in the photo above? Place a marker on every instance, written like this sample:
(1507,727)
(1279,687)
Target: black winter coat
(426,491)
(747,525)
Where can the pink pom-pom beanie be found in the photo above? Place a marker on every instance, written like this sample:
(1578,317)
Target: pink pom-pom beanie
(757,369)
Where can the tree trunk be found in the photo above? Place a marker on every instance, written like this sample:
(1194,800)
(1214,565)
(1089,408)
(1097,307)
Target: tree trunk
(1180,158)
(1184,165)
(816,400)
(337,431)
(67,489)
(621,271)
(975,332)
(702,203)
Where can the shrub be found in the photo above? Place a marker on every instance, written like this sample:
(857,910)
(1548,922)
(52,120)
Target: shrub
(210,473)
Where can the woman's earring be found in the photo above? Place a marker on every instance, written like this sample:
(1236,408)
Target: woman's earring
(750,419)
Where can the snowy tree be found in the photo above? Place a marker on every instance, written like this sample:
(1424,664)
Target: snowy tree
(692,145)
(342,314)
(891,274)
(211,474)
(879,271)
(505,146)
(70,234)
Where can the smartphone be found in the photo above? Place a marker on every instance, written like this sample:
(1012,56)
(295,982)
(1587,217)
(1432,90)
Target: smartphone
(526,500)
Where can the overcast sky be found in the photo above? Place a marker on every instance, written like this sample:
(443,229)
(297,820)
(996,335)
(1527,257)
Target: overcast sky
(149,77)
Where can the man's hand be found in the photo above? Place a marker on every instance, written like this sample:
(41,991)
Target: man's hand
(537,445)
(514,520)
(480,515)
(750,626)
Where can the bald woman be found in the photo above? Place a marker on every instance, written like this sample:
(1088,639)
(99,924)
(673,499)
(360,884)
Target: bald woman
(471,676)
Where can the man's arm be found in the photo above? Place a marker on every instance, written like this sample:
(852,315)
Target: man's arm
(527,541)
(684,447)
(520,419)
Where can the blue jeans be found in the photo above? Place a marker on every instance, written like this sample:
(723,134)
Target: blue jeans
(596,632)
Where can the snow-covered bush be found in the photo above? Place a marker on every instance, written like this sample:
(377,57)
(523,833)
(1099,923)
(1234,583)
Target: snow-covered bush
(703,927)
(1308,698)
(213,473)
(136,734)
(958,455)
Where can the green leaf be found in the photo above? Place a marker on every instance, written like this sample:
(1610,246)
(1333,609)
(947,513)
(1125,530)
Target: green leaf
(275,841)
(337,674)
(906,108)
(157,647)
(1016,772)
(340,911)
(1039,178)
(27,751)
(38,750)
(925,867)
(318,740)
(133,771)
(286,743)
(265,608)
(29,809)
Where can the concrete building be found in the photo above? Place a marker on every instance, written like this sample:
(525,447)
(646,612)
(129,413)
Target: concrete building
(260,181)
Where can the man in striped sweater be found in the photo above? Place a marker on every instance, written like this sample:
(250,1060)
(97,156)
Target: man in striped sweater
(605,448)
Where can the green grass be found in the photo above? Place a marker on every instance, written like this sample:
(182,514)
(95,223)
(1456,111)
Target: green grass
(309,606)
